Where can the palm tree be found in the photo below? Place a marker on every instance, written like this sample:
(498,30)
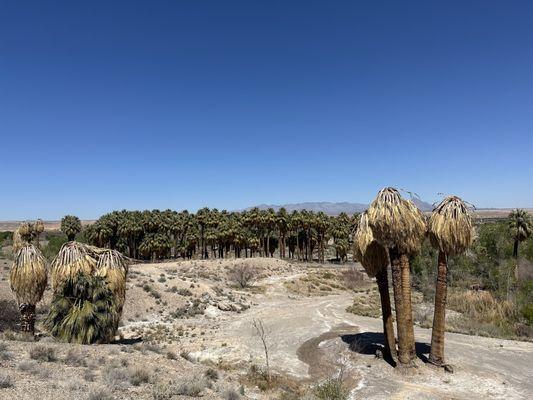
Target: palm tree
(451,232)
(83,310)
(70,226)
(282,222)
(39,228)
(27,280)
(520,228)
(399,226)
(375,259)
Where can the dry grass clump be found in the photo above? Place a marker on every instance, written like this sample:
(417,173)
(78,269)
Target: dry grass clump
(40,352)
(28,275)
(192,387)
(481,305)
(5,381)
(372,255)
(450,226)
(396,221)
(100,394)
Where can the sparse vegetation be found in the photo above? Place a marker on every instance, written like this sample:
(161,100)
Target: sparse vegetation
(41,352)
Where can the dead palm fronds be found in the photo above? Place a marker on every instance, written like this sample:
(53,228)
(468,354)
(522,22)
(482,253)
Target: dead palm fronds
(398,225)
(450,226)
(113,267)
(73,257)
(450,232)
(375,259)
(22,236)
(372,256)
(27,280)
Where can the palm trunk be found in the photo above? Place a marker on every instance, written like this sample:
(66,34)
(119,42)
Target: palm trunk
(27,318)
(404,319)
(406,299)
(436,355)
(388,328)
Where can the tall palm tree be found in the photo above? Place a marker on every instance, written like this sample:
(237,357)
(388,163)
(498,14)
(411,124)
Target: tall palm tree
(70,226)
(282,222)
(520,228)
(451,232)
(27,280)
(399,226)
(375,259)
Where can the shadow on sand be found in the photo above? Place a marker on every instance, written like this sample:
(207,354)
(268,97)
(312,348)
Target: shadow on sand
(370,343)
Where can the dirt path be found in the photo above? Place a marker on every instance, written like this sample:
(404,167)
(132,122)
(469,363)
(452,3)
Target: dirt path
(311,336)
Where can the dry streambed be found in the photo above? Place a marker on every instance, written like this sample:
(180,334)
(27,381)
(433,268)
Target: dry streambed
(187,328)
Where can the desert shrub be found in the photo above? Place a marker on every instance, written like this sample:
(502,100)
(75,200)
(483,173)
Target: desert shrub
(5,381)
(181,387)
(352,278)
(192,387)
(29,366)
(43,353)
(171,355)
(100,394)
(331,389)
(83,311)
(55,241)
(4,353)
(184,292)
(243,275)
(115,377)
(231,394)
(75,358)
(211,374)
(139,375)
(196,307)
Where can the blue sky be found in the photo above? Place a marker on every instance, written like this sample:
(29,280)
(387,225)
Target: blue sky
(180,104)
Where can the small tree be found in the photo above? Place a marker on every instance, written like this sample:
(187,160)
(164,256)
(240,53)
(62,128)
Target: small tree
(262,334)
(243,275)
(70,226)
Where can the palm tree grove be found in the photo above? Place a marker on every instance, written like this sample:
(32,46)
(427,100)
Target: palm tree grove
(266,200)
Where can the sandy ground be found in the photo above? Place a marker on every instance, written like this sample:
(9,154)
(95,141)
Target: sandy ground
(310,337)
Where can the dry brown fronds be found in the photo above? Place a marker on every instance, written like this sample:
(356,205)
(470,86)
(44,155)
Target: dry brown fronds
(396,222)
(372,255)
(450,226)
(73,257)
(112,266)
(39,226)
(28,275)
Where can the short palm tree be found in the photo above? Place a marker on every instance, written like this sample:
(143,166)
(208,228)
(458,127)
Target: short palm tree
(83,310)
(520,228)
(398,225)
(70,226)
(374,258)
(27,280)
(451,233)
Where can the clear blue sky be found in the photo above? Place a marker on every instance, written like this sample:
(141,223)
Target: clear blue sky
(179,104)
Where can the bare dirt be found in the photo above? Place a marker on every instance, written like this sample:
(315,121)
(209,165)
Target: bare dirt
(182,318)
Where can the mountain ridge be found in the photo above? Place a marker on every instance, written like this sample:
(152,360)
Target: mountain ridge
(332,208)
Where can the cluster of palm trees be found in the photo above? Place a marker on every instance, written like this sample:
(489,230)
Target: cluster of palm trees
(89,285)
(390,232)
(210,233)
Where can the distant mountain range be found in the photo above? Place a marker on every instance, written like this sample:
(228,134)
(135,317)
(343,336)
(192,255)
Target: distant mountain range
(333,208)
